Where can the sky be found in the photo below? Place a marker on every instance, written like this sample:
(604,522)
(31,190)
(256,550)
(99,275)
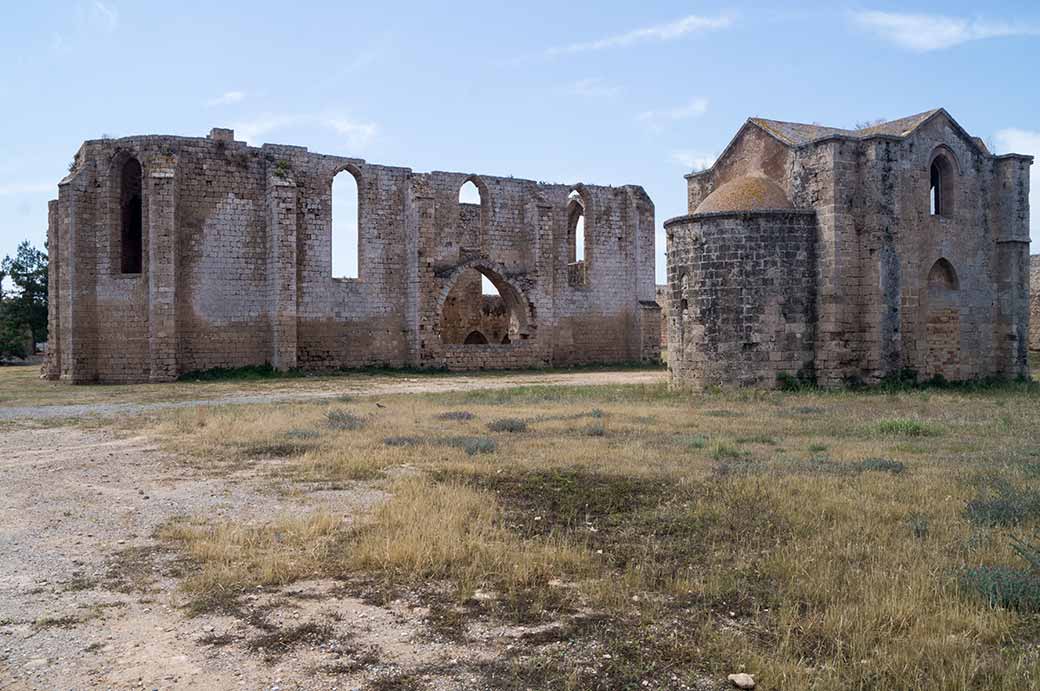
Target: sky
(597,92)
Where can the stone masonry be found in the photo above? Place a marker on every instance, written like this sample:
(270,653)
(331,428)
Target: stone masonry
(835,255)
(176,254)
(1034,302)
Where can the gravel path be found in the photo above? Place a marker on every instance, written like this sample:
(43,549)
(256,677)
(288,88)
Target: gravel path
(397,386)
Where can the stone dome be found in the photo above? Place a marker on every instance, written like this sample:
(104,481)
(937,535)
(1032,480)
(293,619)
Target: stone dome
(750,193)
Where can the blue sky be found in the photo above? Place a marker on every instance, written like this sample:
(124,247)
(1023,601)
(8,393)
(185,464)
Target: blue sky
(608,93)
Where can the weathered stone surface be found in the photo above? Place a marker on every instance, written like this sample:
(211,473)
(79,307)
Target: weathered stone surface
(861,279)
(1034,302)
(235,266)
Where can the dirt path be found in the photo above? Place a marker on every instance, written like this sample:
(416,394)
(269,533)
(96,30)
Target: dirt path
(368,388)
(89,598)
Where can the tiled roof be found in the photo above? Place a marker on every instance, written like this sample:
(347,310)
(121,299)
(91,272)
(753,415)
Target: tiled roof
(798,134)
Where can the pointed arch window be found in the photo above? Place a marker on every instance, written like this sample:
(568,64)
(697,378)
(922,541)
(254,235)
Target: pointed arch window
(131,220)
(941,176)
(346,220)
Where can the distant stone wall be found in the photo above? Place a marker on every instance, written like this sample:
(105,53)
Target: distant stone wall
(1034,302)
(234,265)
(663,302)
(744,288)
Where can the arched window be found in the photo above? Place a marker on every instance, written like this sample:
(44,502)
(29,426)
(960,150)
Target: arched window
(346,217)
(940,187)
(131,240)
(942,278)
(475,338)
(469,193)
(576,227)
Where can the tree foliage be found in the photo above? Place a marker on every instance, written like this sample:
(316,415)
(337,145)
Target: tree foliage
(25,303)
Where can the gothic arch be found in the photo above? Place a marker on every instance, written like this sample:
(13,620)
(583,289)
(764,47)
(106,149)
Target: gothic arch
(521,312)
(485,207)
(943,321)
(128,214)
(354,172)
(943,172)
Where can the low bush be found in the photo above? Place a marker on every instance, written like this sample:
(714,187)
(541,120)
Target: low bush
(508,424)
(344,420)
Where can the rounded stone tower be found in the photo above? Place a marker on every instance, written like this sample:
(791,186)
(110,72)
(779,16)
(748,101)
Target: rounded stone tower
(742,276)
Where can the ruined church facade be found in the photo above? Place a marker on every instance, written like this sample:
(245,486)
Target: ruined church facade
(831,255)
(178,254)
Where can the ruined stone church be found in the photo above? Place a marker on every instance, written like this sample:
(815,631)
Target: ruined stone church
(831,255)
(178,254)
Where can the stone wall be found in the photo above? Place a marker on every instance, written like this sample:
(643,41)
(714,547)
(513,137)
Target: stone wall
(743,296)
(877,243)
(663,301)
(237,265)
(1034,302)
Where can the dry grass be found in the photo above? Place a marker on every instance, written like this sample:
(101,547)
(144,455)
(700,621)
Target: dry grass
(818,540)
(234,558)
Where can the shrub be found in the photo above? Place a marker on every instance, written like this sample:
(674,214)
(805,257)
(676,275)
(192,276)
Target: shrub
(344,420)
(1005,587)
(918,525)
(757,439)
(691,441)
(879,465)
(471,445)
(508,424)
(303,434)
(596,429)
(459,415)
(1001,504)
(402,441)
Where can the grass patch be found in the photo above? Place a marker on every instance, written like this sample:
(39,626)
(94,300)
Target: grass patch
(906,427)
(233,558)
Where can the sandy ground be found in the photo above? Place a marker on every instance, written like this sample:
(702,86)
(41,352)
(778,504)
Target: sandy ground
(89,599)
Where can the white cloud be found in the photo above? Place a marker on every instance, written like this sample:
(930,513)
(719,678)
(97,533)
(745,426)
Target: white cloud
(18,188)
(104,16)
(926,32)
(251,130)
(661,32)
(358,134)
(656,119)
(1025,142)
(594,88)
(693,160)
(227,99)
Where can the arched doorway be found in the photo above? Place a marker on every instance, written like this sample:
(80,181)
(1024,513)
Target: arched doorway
(943,324)
(481,307)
